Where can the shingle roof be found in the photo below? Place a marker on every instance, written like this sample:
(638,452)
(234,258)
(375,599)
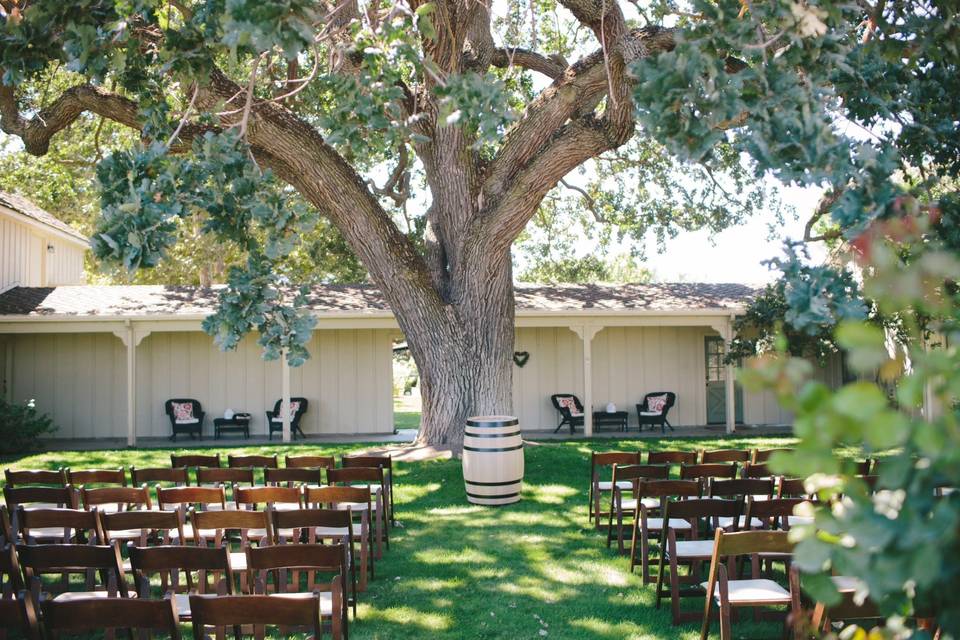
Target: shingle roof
(147,300)
(23,206)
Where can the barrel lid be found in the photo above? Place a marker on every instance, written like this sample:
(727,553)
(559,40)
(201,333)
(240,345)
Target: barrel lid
(492,421)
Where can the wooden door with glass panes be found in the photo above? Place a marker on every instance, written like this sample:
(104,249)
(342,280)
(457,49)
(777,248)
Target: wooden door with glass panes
(716,370)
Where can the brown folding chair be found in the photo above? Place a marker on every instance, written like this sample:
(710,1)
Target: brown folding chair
(315,462)
(194,460)
(57,526)
(16,610)
(672,457)
(763,455)
(727,593)
(204,570)
(132,614)
(692,552)
(227,478)
(646,527)
(37,498)
(317,525)
(97,477)
(757,488)
(279,498)
(725,455)
(772,514)
(599,460)
(66,559)
(34,477)
(289,560)
(756,470)
(353,500)
(175,476)
(258,610)
(291,477)
(146,528)
(114,499)
(791,488)
(847,610)
(7,535)
(620,506)
(252,461)
(367,477)
(182,498)
(233,528)
(385,462)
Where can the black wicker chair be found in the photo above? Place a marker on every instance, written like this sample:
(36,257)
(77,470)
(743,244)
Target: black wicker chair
(193,427)
(568,417)
(276,424)
(653,418)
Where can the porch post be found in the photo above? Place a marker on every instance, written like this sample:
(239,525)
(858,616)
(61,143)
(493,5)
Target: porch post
(586,333)
(8,374)
(285,397)
(729,382)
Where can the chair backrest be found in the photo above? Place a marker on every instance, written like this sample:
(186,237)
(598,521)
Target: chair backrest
(309,520)
(156,527)
(708,470)
(763,455)
(311,558)
(749,542)
(672,457)
(756,470)
(181,497)
(609,458)
(742,487)
(252,497)
(669,489)
(232,611)
(76,526)
(26,477)
(261,461)
(725,455)
(561,402)
(88,477)
(333,496)
(253,526)
(299,462)
(293,476)
(91,560)
(384,462)
(123,497)
(228,476)
(176,476)
(671,400)
(59,496)
(773,513)
(791,488)
(90,614)
(210,564)
(703,508)
(637,472)
(354,475)
(194,460)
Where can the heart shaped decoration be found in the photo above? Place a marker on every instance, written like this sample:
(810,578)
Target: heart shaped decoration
(521,357)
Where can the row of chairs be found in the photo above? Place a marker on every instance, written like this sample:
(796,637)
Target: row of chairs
(207,599)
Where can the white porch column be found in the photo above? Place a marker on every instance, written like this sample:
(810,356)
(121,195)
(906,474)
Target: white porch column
(131,338)
(8,374)
(586,333)
(285,397)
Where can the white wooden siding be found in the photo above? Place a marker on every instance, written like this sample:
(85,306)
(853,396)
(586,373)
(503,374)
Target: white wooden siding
(555,366)
(80,380)
(65,264)
(15,249)
(25,261)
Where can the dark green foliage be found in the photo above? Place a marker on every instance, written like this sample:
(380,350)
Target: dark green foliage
(21,426)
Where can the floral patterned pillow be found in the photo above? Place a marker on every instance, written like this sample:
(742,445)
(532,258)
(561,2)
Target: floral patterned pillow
(655,404)
(294,407)
(569,403)
(182,411)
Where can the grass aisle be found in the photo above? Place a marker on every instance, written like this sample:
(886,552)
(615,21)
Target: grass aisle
(529,570)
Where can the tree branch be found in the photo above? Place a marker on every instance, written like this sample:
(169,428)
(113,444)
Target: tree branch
(550,66)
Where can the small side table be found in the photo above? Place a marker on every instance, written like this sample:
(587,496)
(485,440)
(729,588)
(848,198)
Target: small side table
(240,423)
(615,418)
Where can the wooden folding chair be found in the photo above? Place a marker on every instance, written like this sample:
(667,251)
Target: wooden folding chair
(32,497)
(132,614)
(847,610)
(756,470)
(763,455)
(257,610)
(758,488)
(293,476)
(114,499)
(144,527)
(314,462)
(317,525)
(598,461)
(57,526)
(367,477)
(7,536)
(619,506)
(194,460)
(236,530)
(285,561)
(97,477)
(16,611)
(692,552)
(204,570)
(646,527)
(66,559)
(213,476)
(672,457)
(174,477)
(252,461)
(725,455)
(182,498)
(385,462)
(279,498)
(34,477)
(353,500)
(728,593)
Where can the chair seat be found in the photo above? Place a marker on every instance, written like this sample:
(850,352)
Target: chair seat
(124,535)
(845,584)
(607,485)
(72,596)
(209,534)
(256,534)
(675,523)
(51,533)
(651,414)
(188,421)
(749,591)
(355,506)
(799,520)
(326,599)
(238,560)
(694,549)
(631,503)
(326,532)
(725,522)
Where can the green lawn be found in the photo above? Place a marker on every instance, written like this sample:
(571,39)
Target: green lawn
(529,570)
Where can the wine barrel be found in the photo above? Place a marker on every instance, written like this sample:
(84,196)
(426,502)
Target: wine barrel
(493,460)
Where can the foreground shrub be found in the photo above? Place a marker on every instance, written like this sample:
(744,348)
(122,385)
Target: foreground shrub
(21,426)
